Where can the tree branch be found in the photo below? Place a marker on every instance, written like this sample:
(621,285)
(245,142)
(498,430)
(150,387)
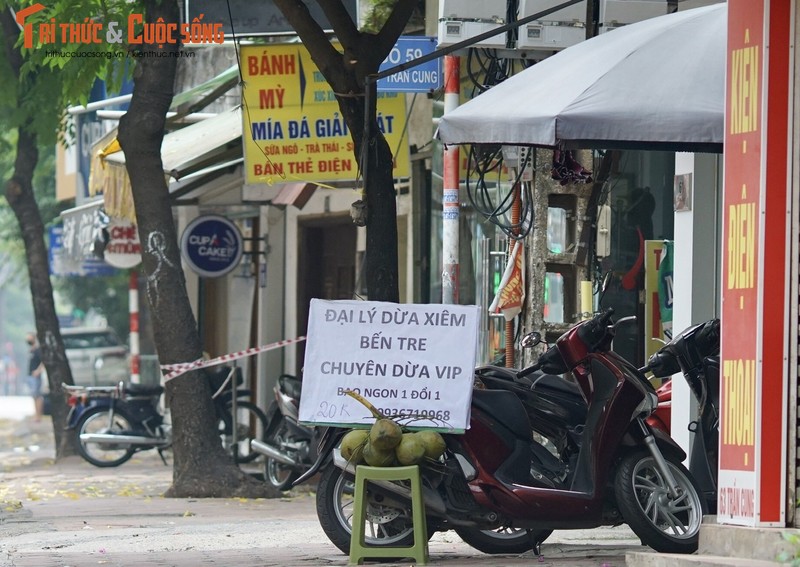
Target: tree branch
(394,26)
(314,38)
(340,20)
(11,33)
(377,46)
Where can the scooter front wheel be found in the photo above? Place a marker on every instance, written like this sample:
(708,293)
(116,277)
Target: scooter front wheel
(502,540)
(102,421)
(667,524)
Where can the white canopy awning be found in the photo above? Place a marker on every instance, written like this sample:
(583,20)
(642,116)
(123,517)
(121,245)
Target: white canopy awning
(183,152)
(655,84)
(193,144)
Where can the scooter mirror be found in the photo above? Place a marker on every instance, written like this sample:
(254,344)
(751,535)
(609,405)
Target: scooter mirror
(531,339)
(606,280)
(663,364)
(604,284)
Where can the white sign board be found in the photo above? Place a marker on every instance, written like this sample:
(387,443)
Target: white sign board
(414,363)
(123,249)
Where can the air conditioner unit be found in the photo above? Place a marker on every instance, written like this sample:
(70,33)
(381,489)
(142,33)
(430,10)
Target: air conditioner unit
(539,35)
(553,31)
(617,13)
(454,31)
(567,16)
(460,20)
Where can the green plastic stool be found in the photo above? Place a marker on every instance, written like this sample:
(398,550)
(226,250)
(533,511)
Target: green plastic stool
(359,550)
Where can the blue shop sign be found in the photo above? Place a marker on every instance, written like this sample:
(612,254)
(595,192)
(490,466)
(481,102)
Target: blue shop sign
(212,246)
(422,78)
(63,264)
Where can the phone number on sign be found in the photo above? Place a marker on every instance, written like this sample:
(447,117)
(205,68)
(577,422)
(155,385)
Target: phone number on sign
(440,415)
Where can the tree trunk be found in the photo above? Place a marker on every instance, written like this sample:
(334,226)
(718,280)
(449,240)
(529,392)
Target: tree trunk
(347,75)
(381,268)
(201,466)
(20,196)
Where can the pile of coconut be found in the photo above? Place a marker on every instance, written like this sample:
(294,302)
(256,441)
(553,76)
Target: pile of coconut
(385,444)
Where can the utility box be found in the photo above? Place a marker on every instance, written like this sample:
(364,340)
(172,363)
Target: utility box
(553,31)
(603,236)
(690,4)
(460,20)
(618,13)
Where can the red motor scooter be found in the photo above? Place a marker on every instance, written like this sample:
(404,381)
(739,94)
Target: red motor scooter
(541,453)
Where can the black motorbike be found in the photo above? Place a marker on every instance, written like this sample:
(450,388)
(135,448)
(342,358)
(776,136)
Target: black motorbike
(113,423)
(290,447)
(695,353)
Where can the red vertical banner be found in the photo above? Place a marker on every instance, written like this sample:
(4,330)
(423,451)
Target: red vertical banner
(774,371)
(754,299)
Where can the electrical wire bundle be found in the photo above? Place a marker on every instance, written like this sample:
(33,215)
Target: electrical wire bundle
(486,160)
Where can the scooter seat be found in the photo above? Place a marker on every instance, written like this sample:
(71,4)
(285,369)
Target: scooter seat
(143,390)
(498,372)
(554,382)
(540,379)
(547,398)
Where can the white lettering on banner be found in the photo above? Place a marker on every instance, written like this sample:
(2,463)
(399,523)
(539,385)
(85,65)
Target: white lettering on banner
(216,252)
(414,77)
(414,362)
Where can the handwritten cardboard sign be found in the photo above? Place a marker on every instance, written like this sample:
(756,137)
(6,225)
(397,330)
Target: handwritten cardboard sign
(414,363)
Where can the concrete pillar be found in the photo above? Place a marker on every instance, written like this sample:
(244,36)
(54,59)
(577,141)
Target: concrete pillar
(270,290)
(696,269)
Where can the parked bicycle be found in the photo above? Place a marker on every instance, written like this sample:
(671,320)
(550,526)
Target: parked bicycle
(113,423)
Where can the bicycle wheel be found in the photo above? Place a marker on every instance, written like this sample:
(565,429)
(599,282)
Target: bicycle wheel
(251,423)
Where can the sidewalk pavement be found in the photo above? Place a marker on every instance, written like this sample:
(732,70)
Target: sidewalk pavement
(73,514)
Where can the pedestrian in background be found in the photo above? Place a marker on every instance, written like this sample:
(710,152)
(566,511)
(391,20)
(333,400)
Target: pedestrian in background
(35,370)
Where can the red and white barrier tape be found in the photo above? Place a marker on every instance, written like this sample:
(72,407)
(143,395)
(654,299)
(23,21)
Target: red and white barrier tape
(176,370)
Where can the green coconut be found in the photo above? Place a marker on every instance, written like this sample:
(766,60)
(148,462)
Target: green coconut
(385,434)
(433,443)
(411,449)
(353,445)
(375,457)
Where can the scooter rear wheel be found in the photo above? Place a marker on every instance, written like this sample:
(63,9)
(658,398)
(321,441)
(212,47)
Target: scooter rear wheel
(667,524)
(386,523)
(502,540)
(99,420)
(277,474)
